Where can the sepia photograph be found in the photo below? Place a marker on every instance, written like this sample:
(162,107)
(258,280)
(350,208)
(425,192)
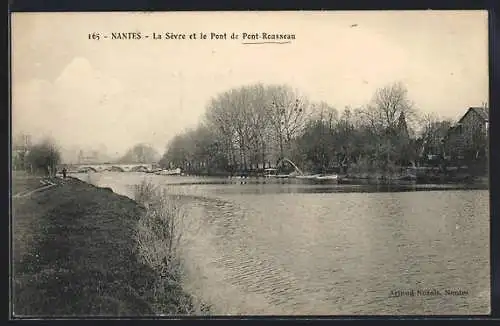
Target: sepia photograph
(293,163)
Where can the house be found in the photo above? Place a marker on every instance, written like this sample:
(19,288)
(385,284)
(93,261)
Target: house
(468,138)
(18,156)
(88,158)
(20,148)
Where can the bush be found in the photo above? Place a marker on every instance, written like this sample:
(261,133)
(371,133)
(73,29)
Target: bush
(159,234)
(146,192)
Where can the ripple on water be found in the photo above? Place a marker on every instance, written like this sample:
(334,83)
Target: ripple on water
(293,268)
(279,252)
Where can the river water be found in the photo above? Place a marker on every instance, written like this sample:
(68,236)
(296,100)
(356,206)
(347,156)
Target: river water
(281,249)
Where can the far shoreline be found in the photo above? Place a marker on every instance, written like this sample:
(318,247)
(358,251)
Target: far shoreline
(480,183)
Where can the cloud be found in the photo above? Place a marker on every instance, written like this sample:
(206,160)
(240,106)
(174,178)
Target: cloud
(77,108)
(85,108)
(119,94)
(30,107)
(81,77)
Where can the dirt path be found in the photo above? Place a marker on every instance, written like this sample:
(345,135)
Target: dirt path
(44,185)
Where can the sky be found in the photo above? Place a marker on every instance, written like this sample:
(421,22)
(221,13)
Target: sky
(111,94)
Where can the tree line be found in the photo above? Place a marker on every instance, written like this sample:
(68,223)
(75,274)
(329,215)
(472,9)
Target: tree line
(254,127)
(41,158)
(140,153)
(44,157)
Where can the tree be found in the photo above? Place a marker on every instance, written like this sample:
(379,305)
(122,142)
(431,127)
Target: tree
(247,127)
(288,115)
(345,138)
(255,124)
(227,115)
(388,103)
(21,144)
(176,154)
(44,157)
(197,150)
(259,126)
(140,153)
(317,145)
(390,116)
(433,133)
(218,118)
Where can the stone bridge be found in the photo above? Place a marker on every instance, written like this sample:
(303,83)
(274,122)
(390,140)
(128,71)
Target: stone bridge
(110,167)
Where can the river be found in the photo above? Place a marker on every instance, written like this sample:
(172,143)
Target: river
(286,249)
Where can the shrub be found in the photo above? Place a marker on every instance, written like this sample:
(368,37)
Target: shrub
(159,234)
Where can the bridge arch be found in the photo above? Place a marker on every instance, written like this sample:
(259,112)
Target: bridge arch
(88,168)
(115,168)
(138,168)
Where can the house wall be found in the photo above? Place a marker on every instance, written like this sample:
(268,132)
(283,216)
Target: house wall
(469,133)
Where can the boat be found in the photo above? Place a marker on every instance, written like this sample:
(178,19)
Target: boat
(319,178)
(308,177)
(408,177)
(170,172)
(327,177)
(270,173)
(273,173)
(157,170)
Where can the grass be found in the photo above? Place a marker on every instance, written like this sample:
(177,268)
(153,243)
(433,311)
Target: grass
(159,235)
(22,182)
(80,250)
(74,254)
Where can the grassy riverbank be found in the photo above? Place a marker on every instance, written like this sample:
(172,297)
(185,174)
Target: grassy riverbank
(76,252)
(23,182)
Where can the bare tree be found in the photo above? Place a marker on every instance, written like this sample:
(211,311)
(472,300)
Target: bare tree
(140,153)
(288,114)
(44,157)
(251,119)
(324,112)
(389,118)
(229,113)
(218,117)
(259,124)
(387,105)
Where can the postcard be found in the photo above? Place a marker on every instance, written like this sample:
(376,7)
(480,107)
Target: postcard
(318,163)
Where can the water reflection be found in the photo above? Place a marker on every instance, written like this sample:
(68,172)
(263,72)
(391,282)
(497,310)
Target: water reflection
(331,249)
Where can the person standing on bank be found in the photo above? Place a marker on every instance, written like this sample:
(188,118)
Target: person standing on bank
(64,171)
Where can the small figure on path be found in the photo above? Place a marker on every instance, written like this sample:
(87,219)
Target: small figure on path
(64,173)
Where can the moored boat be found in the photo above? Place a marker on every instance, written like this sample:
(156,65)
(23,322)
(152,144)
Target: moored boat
(156,170)
(318,178)
(327,177)
(270,173)
(170,172)
(308,177)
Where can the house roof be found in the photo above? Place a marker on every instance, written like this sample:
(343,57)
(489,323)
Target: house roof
(482,112)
